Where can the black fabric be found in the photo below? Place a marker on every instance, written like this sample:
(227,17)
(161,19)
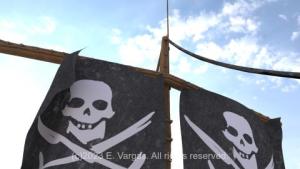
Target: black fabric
(206,110)
(275,134)
(133,97)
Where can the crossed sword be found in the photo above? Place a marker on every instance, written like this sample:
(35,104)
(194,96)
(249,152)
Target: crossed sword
(216,148)
(53,137)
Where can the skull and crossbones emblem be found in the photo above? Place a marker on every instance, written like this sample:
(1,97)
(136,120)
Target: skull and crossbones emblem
(87,110)
(238,131)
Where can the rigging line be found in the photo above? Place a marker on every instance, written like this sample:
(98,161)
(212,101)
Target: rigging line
(295,75)
(168,32)
(167,6)
(158,63)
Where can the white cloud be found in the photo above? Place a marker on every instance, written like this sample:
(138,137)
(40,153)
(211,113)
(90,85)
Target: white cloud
(140,50)
(295,35)
(251,25)
(240,24)
(144,49)
(196,26)
(290,62)
(283,17)
(237,23)
(264,57)
(210,50)
(244,49)
(243,7)
(247,52)
(239,8)
(184,65)
(241,51)
(237,17)
(183,28)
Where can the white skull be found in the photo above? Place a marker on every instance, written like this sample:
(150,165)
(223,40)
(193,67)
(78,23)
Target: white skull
(239,132)
(89,105)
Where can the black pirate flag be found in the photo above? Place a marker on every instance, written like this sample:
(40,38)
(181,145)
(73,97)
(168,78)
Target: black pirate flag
(97,115)
(218,132)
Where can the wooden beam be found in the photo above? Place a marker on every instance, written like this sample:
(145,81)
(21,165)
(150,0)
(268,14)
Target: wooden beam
(31,52)
(53,56)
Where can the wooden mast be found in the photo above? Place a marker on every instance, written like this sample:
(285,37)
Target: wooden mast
(164,69)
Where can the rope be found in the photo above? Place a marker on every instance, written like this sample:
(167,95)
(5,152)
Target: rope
(295,75)
(168,26)
(168,34)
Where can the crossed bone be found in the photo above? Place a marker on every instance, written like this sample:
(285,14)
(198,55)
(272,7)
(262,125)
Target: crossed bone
(54,138)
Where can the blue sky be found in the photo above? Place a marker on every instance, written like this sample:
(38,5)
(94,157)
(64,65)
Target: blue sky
(256,33)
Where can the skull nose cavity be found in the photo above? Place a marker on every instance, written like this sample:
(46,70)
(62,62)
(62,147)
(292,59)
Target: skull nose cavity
(242,143)
(87,112)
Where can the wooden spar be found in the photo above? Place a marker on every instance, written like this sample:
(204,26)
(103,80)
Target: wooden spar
(31,52)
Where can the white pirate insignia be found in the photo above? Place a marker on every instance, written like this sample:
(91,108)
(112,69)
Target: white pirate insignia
(88,109)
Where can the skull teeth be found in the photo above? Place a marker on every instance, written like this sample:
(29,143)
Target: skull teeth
(84,126)
(244,155)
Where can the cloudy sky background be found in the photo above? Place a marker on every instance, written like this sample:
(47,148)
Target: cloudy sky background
(256,33)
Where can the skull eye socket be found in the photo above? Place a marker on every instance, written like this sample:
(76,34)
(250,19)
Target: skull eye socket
(232,131)
(247,138)
(100,104)
(75,102)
